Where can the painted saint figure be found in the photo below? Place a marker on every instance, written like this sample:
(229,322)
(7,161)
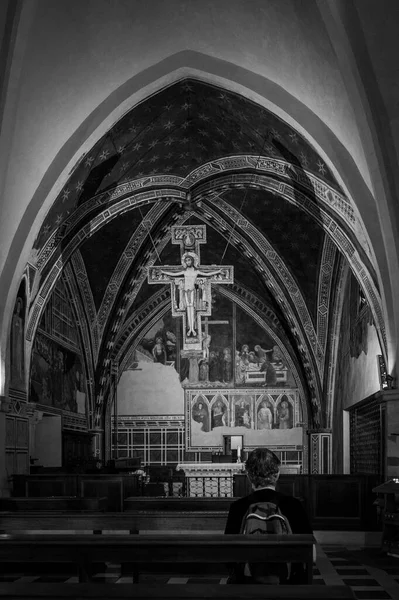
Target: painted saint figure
(188,290)
(200,415)
(159,351)
(218,415)
(242,415)
(227,365)
(284,416)
(17,344)
(265,417)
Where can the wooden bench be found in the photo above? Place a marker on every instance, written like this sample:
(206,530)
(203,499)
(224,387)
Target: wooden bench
(132,522)
(145,553)
(74,591)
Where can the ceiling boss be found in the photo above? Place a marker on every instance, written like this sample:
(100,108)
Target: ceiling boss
(191,293)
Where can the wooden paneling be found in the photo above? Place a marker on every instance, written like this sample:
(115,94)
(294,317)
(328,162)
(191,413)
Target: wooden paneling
(112,489)
(22,462)
(22,433)
(10,432)
(115,487)
(17,445)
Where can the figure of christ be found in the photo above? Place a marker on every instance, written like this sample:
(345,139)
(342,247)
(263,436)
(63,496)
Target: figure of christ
(190,274)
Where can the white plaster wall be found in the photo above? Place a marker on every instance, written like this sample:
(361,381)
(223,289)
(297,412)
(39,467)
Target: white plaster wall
(153,390)
(363,377)
(73,54)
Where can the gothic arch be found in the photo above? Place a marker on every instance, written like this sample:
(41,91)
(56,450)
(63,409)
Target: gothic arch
(140,86)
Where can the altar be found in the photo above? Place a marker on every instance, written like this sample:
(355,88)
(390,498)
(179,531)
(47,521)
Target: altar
(212,480)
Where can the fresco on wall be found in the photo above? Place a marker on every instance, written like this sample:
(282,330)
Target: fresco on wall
(17,350)
(159,344)
(57,376)
(215,365)
(284,413)
(258,359)
(200,413)
(242,408)
(263,417)
(356,372)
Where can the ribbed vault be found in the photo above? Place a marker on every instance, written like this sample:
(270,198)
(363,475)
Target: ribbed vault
(196,153)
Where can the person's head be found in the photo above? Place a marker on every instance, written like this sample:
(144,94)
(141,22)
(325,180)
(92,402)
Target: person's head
(189,261)
(284,404)
(263,468)
(200,405)
(245,348)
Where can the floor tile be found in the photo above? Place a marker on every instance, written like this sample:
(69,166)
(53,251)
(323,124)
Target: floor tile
(372,595)
(351,571)
(371,575)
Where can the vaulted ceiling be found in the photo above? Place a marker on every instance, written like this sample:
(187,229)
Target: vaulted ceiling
(195,153)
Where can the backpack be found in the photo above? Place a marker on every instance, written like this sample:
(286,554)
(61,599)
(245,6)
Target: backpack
(266,518)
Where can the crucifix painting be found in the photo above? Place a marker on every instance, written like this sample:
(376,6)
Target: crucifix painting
(190,282)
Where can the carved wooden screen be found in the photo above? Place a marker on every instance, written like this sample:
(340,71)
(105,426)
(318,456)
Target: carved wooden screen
(367,435)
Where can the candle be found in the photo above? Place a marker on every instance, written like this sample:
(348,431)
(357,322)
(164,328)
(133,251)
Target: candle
(238,452)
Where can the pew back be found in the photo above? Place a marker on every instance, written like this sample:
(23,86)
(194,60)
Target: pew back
(134,521)
(149,550)
(169,592)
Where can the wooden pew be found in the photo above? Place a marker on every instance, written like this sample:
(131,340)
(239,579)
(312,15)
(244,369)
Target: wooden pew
(67,503)
(147,552)
(75,591)
(133,522)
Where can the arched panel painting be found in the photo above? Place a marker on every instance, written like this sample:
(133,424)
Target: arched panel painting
(269,417)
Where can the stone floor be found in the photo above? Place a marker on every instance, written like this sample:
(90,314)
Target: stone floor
(371,574)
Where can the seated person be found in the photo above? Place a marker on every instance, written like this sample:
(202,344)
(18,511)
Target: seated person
(263,470)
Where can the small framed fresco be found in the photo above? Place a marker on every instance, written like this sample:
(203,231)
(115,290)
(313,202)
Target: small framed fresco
(272,417)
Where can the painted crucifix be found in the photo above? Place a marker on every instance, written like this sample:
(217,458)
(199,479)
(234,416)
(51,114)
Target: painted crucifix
(191,283)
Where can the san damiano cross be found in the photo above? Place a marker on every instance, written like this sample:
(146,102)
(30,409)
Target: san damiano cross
(191,285)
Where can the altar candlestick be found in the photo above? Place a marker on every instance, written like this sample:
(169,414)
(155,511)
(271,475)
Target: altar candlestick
(238,453)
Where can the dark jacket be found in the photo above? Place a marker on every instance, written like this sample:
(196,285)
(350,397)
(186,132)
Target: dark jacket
(290,507)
